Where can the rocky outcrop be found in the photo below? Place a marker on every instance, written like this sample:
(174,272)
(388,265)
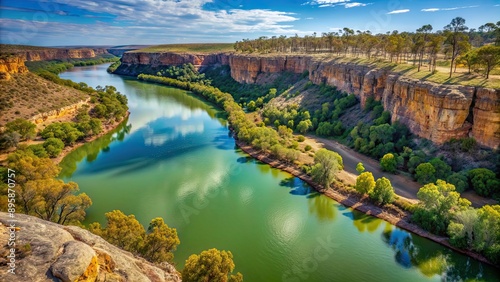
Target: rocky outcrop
(60,53)
(486,115)
(70,110)
(10,64)
(433,111)
(46,251)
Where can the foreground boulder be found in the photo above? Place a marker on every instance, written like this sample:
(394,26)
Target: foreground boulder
(46,251)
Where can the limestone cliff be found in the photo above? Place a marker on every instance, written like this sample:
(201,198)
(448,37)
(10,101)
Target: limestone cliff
(10,64)
(433,111)
(46,251)
(134,63)
(60,53)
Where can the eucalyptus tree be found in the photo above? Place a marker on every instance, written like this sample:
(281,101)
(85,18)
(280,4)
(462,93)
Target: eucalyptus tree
(455,36)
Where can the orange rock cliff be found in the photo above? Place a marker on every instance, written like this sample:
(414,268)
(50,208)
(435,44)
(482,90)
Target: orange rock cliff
(433,111)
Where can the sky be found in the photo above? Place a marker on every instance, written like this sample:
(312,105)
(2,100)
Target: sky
(124,22)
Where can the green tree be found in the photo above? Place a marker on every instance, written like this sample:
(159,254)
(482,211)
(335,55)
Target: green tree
(121,230)
(382,193)
(53,200)
(304,126)
(326,165)
(489,57)
(160,242)
(425,173)
(389,163)
(360,168)
(487,236)
(443,170)
(455,36)
(53,146)
(211,265)
(484,181)
(365,183)
(439,202)
(25,128)
(459,180)
(251,106)
(461,228)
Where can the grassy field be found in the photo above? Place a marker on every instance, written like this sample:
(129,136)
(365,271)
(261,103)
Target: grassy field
(194,47)
(26,95)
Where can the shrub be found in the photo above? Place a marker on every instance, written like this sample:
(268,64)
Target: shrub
(365,183)
(382,193)
(389,163)
(484,181)
(53,146)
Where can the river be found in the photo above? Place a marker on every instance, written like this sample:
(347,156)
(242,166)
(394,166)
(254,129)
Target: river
(174,158)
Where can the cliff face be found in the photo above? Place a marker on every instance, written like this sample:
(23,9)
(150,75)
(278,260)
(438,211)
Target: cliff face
(433,111)
(60,53)
(133,63)
(10,65)
(46,251)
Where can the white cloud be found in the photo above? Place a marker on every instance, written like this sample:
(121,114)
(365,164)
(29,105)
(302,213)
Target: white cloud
(430,10)
(355,4)
(399,11)
(447,9)
(190,15)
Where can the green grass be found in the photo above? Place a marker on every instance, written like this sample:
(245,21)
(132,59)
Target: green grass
(192,47)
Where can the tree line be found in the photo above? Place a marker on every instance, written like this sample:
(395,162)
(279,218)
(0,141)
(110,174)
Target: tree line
(455,41)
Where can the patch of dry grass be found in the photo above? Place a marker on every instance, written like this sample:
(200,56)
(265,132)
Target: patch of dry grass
(26,95)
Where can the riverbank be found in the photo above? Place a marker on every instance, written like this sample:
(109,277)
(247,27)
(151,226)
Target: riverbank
(105,130)
(393,215)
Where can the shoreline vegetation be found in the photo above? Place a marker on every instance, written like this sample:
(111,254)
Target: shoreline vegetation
(240,123)
(105,130)
(352,200)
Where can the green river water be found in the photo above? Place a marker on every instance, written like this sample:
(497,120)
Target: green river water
(174,158)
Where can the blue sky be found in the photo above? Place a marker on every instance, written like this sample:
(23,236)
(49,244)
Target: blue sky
(120,22)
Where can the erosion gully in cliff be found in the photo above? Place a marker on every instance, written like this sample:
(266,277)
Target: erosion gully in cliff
(433,111)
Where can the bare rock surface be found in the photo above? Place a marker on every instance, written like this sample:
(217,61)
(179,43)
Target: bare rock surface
(46,251)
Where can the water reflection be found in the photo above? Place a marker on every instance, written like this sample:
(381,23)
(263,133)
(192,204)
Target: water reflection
(412,251)
(363,222)
(91,150)
(322,207)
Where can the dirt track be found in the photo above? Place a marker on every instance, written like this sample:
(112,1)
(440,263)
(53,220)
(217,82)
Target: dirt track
(403,186)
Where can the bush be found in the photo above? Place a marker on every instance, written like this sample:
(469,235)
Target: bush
(66,131)
(389,163)
(24,128)
(365,183)
(307,148)
(459,180)
(53,146)
(484,181)
(425,173)
(383,193)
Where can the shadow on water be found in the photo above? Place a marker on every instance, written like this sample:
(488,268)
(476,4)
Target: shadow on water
(432,259)
(223,140)
(297,186)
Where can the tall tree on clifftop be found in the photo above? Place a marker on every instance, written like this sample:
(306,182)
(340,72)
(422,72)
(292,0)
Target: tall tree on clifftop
(454,37)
